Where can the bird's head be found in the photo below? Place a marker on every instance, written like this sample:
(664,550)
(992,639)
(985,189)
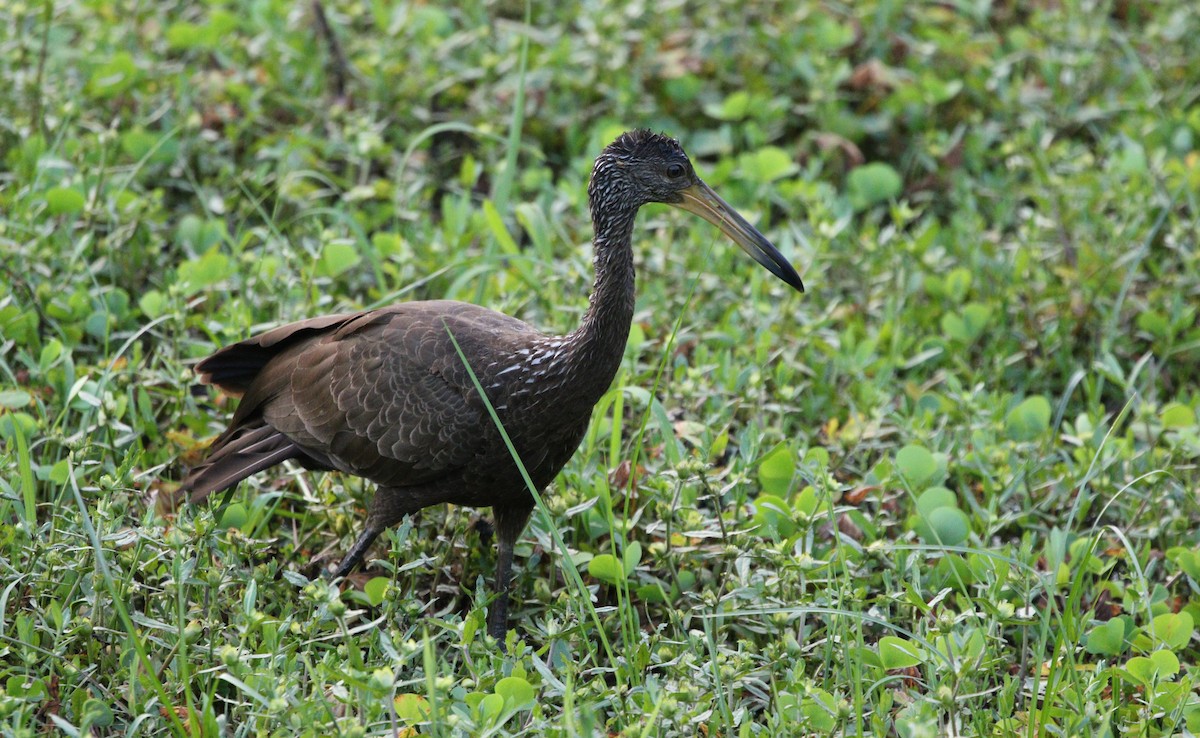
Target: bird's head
(641,167)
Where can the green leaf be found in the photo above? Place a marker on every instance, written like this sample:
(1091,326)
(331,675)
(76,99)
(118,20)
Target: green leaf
(375,588)
(872,184)
(898,653)
(516,691)
(64,201)
(716,449)
(10,423)
(234,516)
(14,398)
(651,593)
(1154,323)
(1028,421)
(773,517)
(806,502)
(152,304)
(196,275)
(1131,159)
(768,164)
(199,233)
(733,107)
(633,556)
(184,35)
(947,526)
(605,568)
(1172,630)
(776,470)
(491,706)
(337,258)
(819,709)
(1187,559)
(412,708)
(958,283)
(114,77)
(60,472)
(1161,664)
(1177,415)
(1107,639)
(97,713)
(50,353)
(935,497)
(966,327)
(916,465)
(387,244)
(151,146)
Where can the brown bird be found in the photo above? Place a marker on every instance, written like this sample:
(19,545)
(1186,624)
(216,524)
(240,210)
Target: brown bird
(383,394)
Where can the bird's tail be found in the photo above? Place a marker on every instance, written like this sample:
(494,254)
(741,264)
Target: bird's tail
(235,456)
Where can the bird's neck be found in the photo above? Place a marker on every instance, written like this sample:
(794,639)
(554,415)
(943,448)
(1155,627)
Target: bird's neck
(599,342)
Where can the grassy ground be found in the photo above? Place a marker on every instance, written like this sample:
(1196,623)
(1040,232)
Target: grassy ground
(951,490)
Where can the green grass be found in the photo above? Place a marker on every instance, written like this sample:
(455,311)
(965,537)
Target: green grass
(950,490)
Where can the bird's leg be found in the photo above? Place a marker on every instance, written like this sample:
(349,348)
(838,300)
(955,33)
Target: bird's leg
(510,521)
(388,507)
(355,555)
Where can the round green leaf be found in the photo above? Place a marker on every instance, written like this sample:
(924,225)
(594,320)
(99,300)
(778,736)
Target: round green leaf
(806,502)
(11,423)
(916,465)
(1172,629)
(605,568)
(1141,668)
(491,706)
(776,470)
(1187,559)
(1177,415)
(768,164)
(951,526)
(234,516)
(871,184)
(337,258)
(14,398)
(933,498)
(947,526)
(733,107)
(375,588)
(152,304)
(64,201)
(1029,420)
(97,713)
(651,593)
(773,516)
(412,708)
(516,691)
(200,274)
(819,709)
(1166,663)
(898,653)
(1107,639)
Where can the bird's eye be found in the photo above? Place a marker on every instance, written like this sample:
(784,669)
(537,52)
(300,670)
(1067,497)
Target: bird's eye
(675,170)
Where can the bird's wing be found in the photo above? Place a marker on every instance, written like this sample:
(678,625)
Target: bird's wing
(384,394)
(234,367)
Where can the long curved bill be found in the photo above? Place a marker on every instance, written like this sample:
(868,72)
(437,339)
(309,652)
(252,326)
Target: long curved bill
(701,200)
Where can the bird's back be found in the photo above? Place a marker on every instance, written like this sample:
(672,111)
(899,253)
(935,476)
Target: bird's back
(385,395)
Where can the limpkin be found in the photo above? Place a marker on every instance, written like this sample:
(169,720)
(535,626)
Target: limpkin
(383,394)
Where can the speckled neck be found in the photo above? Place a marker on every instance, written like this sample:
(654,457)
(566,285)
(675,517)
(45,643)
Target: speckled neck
(599,343)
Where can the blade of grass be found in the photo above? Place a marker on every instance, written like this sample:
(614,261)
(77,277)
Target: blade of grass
(118,604)
(547,519)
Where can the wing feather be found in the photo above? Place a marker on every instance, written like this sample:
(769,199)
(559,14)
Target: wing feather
(384,394)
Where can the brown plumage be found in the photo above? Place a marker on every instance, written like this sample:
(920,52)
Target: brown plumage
(383,394)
